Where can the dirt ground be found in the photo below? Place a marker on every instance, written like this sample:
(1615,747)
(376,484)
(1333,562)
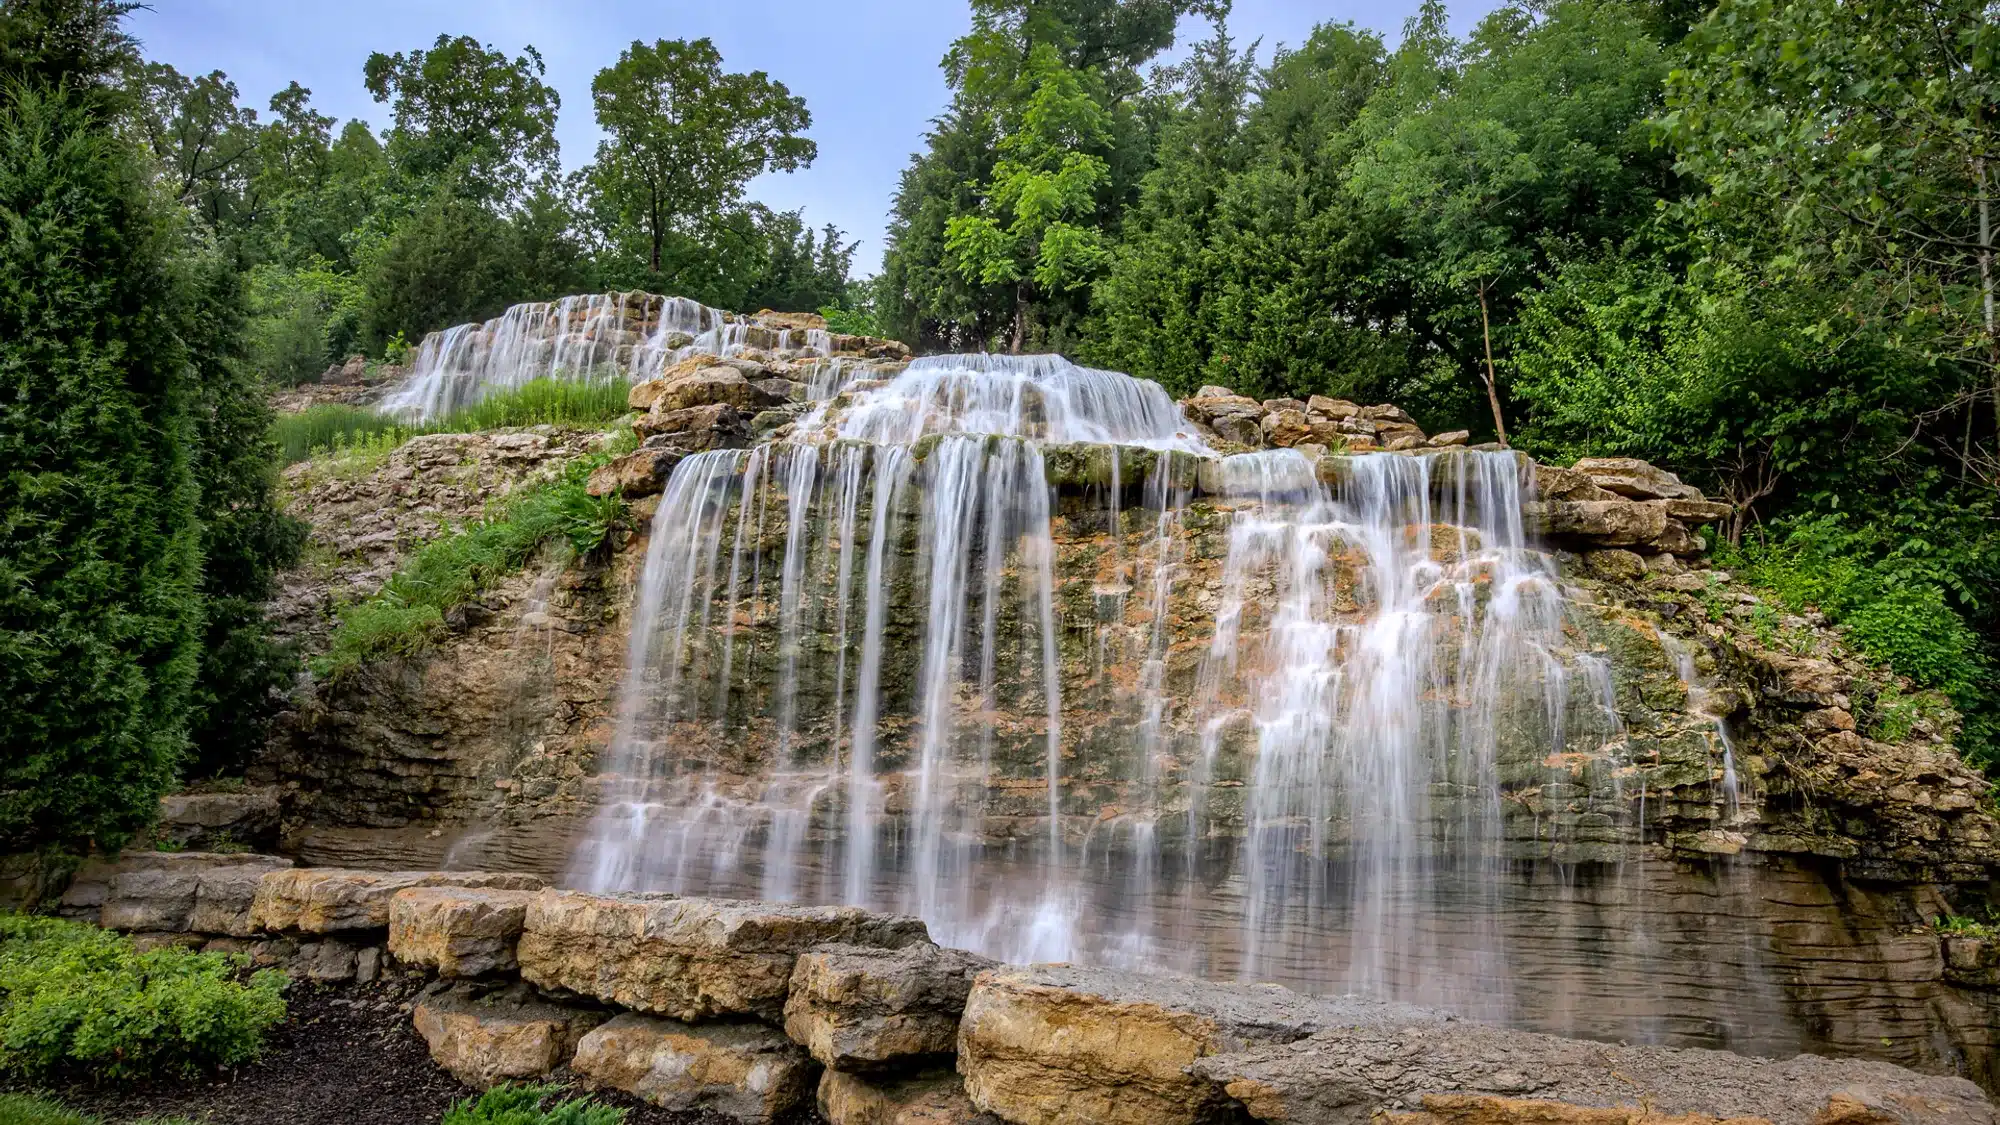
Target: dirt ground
(346,1056)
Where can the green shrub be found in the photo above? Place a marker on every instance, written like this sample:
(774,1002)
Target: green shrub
(522,1105)
(302,320)
(409,610)
(80,1002)
(1891,616)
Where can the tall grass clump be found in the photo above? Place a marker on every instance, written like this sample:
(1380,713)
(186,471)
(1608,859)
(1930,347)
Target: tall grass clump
(323,429)
(409,610)
(77,1002)
(522,1105)
(542,402)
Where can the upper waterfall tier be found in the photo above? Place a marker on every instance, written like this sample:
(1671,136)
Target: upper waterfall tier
(630,336)
(1042,397)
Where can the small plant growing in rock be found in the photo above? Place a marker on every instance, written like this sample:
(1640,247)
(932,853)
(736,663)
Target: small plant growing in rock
(522,1105)
(80,1002)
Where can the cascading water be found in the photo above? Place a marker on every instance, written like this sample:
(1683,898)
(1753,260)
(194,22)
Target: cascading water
(999,642)
(628,336)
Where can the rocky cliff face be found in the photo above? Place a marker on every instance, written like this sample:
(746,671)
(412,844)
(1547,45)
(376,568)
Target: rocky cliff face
(1708,807)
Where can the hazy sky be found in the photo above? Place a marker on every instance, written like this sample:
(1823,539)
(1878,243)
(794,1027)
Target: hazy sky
(867,68)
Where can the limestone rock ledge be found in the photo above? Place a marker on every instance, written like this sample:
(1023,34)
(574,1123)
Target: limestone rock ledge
(459,931)
(741,1071)
(859,1009)
(691,959)
(488,1035)
(1060,1045)
(326,900)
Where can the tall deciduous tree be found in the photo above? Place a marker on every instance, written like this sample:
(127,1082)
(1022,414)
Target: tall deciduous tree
(469,118)
(684,137)
(1850,146)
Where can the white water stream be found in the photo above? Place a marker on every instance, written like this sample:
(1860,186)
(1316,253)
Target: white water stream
(849,656)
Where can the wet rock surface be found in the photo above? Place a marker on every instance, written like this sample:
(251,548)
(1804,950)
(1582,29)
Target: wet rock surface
(1460,1071)
(1059,1045)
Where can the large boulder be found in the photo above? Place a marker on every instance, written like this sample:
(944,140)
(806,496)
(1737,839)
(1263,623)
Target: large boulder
(1631,477)
(695,429)
(485,1036)
(328,900)
(1060,1045)
(170,892)
(929,1098)
(1603,523)
(719,385)
(691,959)
(743,1071)
(865,1009)
(459,931)
(1469,1074)
(643,472)
(1286,428)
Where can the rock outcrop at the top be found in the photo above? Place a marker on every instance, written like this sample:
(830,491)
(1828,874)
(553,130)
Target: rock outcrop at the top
(1600,502)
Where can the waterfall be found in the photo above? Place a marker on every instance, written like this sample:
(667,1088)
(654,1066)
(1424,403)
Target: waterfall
(1001,642)
(628,336)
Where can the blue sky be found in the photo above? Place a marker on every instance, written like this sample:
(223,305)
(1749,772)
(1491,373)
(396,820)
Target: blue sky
(867,68)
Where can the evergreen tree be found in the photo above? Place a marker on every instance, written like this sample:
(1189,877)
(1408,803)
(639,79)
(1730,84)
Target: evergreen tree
(100,543)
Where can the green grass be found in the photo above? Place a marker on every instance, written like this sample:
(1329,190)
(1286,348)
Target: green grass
(80,1003)
(23,1109)
(523,1105)
(408,612)
(543,402)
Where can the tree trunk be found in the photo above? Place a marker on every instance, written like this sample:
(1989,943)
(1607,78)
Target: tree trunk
(1986,282)
(1020,320)
(1492,395)
(653,212)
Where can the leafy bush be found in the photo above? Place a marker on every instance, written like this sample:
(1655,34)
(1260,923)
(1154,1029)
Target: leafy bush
(80,1002)
(448,572)
(302,320)
(1891,614)
(522,1105)
(541,402)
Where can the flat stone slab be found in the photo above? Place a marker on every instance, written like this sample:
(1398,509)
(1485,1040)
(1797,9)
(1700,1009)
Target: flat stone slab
(743,1071)
(862,1009)
(170,892)
(1060,1045)
(326,900)
(930,1098)
(1471,1074)
(690,959)
(459,931)
(487,1036)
